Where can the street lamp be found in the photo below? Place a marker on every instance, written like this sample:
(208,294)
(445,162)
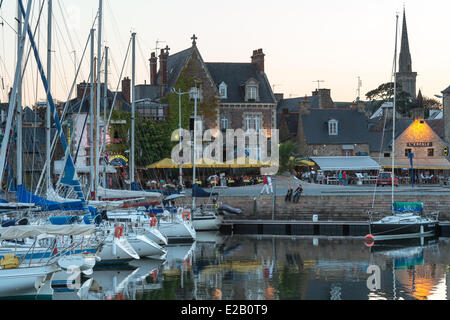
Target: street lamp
(179,93)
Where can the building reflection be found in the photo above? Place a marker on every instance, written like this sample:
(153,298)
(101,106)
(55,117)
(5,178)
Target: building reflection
(276,268)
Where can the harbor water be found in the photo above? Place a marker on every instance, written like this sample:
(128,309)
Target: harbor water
(222,267)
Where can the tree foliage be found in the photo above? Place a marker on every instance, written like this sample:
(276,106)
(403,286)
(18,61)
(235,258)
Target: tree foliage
(286,150)
(385,93)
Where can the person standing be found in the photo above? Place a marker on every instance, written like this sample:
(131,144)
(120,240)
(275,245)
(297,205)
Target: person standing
(344,177)
(340,178)
(265,185)
(269,182)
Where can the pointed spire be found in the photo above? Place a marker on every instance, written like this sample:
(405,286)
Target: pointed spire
(405,62)
(419,100)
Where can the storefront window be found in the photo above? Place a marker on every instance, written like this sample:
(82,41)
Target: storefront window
(431,152)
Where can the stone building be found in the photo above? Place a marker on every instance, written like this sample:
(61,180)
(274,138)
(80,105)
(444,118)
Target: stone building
(446,114)
(321,127)
(232,95)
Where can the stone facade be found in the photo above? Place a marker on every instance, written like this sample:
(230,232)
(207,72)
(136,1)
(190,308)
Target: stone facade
(419,138)
(334,150)
(235,113)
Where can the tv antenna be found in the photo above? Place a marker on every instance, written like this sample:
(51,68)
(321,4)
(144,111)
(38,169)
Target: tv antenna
(318,83)
(157,45)
(359,89)
(275,85)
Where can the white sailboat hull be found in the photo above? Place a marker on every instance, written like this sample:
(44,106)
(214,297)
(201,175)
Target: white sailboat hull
(207,222)
(16,282)
(178,231)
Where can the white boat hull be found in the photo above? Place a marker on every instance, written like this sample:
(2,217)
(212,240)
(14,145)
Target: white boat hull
(177,231)
(207,222)
(16,282)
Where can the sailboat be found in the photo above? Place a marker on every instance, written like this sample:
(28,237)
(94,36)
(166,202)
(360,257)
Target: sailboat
(407,219)
(21,271)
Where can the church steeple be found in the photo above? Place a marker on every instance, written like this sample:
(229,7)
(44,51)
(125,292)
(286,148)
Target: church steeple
(405,76)
(405,63)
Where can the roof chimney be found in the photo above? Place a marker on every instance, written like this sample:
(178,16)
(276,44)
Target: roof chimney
(163,69)
(153,66)
(258,59)
(126,89)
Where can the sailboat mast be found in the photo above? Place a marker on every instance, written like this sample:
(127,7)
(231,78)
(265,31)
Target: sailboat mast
(91,114)
(393,114)
(48,111)
(97,122)
(19,142)
(105,109)
(133,108)
(13,99)
(195,148)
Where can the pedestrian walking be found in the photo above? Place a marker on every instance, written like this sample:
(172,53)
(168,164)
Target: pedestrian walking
(297,193)
(289,194)
(269,182)
(265,185)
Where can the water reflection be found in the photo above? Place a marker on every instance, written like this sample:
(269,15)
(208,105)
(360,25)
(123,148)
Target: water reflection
(218,267)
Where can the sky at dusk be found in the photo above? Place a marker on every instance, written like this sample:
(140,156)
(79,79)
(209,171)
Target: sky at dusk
(304,41)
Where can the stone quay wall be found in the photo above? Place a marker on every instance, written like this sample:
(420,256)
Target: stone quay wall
(329,207)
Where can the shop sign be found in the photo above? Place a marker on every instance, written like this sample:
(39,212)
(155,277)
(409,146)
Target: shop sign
(419,144)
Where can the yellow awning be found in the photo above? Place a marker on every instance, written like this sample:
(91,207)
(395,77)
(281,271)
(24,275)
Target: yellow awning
(209,163)
(167,164)
(247,163)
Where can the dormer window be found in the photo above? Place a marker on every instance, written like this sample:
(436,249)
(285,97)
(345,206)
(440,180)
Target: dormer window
(251,90)
(333,127)
(223,90)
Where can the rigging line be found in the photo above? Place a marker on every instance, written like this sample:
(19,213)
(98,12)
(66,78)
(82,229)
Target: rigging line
(15,31)
(34,34)
(103,146)
(61,62)
(68,100)
(64,15)
(115,26)
(147,67)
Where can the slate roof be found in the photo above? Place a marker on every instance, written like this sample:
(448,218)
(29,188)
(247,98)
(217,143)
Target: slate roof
(74,104)
(30,116)
(437,126)
(352,127)
(175,64)
(235,75)
(147,91)
(292,104)
(446,90)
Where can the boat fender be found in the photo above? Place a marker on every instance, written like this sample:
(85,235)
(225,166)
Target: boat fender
(9,261)
(186,215)
(153,222)
(118,232)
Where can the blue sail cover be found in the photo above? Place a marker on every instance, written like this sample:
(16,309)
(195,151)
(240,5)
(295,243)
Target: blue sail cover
(23,196)
(198,192)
